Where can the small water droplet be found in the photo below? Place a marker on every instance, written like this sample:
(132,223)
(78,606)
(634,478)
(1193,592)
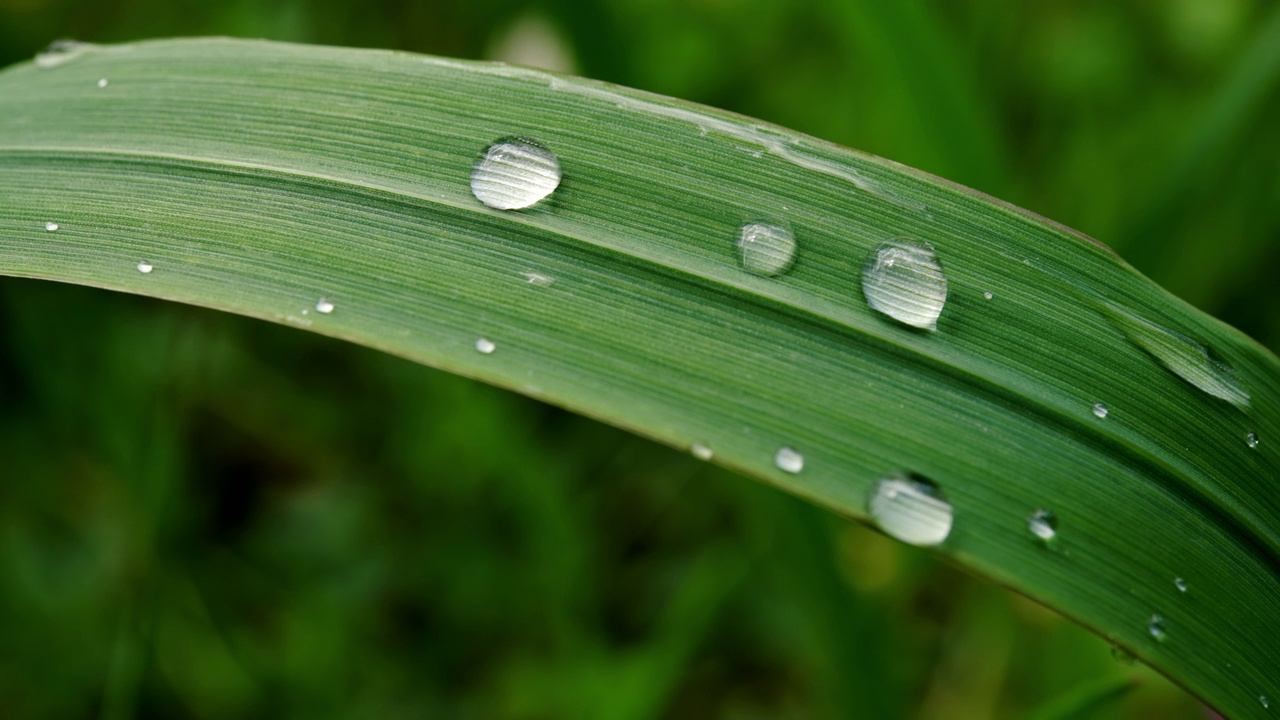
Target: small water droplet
(538,279)
(788,460)
(485,347)
(1100,409)
(145,267)
(323,306)
(905,282)
(911,508)
(1184,357)
(701,451)
(1122,656)
(1266,704)
(766,249)
(1180,584)
(987,295)
(51,226)
(102,82)
(1043,524)
(61,52)
(1156,627)
(514,173)
(1251,440)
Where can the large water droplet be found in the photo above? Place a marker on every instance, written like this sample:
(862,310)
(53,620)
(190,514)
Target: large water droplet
(701,451)
(145,267)
(1100,409)
(1251,440)
(485,347)
(905,282)
(51,226)
(514,174)
(1155,627)
(788,460)
(1043,524)
(1185,357)
(1180,584)
(911,508)
(61,52)
(766,249)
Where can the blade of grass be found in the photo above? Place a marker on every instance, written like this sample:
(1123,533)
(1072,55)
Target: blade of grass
(259,178)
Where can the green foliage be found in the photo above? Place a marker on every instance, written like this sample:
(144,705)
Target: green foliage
(209,636)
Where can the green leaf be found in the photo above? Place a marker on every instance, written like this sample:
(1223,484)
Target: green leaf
(261,178)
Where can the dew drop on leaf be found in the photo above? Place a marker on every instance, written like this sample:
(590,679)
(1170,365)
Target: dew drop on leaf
(1180,584)
(514,173)
(1184,357)
(1251,440)
(1100,410)
(766,249)
(904,281)
(324,307)
(1043,524)
(701,451)
(145,267)
(1155,627)
(61,52)
(911,508)
(485,347)
(1122,656)
(788,460)
(51,226)
(102,82)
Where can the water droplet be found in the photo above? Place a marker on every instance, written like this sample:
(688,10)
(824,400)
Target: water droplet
(514,174)
(905,282)
(1251,440)
(102,82)
(1043,524)
(1122,656)
(701,451)
(61,52)
(1185,357)
(145,267)
(485,347)
(1156,627)
(1266,704)
(1180,584)
(1100,409)
(538,279)
(788,460)
(911,508)
(323,306)
(766,249)
(987,295)
(51,226)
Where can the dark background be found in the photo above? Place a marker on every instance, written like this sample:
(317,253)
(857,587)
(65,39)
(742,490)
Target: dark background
(209,517)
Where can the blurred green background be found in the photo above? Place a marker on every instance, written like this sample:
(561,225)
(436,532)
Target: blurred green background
(203,516)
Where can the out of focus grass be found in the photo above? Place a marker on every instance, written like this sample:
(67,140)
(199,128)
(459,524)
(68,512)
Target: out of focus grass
(204,516)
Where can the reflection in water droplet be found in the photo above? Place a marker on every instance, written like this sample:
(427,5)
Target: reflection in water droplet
(102,82)
(514,174)
(61,52)
(1185,357)
(1156,627)
(1251,440)
(987,295)
(905,282)
(51,226)
(1043,524)
(701,451)
(538,279)
(1180,584)
(1122,656)
(323,306)
(1100,409)
(766,249)
(788,460)
(145,267)
(911,508)
(486,347)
